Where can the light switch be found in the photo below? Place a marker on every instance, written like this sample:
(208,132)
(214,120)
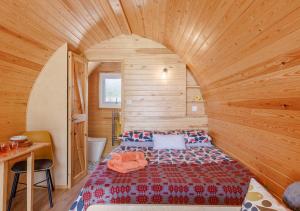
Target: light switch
(194,108)
(129,102)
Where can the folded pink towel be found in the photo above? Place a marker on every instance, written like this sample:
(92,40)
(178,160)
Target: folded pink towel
(127,161)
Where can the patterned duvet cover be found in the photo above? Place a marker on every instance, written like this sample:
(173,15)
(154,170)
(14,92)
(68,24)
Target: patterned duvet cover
(203,175)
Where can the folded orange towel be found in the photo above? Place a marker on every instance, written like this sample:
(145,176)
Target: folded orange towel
(127,161)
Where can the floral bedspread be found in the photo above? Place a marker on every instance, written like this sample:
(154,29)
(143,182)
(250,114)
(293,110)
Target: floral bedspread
(194,176)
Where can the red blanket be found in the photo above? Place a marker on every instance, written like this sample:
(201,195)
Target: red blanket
(213,183)
(193,176)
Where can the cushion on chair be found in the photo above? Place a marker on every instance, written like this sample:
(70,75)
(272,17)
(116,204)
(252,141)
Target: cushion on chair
(38,137)
(39,165)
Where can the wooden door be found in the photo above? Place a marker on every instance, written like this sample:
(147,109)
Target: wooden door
(77,118)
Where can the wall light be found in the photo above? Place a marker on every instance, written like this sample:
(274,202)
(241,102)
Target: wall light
(164,73)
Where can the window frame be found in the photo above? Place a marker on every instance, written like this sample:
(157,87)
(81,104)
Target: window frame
(102,77)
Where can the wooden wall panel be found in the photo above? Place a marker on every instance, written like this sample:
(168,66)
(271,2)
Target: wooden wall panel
(193,91)
(100,119)
(30,34)
(14,95)
(234,48)
(151,99)
(265,107)
(141,87)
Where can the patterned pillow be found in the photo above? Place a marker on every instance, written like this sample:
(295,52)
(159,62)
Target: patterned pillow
(193,132)
(197,138)
(137,136)
(193,138)
(258,198)
(168,132)
(159,132)
(137,144)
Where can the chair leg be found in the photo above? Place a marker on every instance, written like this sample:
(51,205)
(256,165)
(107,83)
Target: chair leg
(52,186)
(17,182)
(49,188)
(13,190)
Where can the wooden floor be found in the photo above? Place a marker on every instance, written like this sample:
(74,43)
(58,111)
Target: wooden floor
(62,199)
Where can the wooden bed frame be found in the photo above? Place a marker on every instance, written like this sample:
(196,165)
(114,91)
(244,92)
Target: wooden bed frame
(153,207)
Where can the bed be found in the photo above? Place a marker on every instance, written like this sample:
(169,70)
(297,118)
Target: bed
(197,175)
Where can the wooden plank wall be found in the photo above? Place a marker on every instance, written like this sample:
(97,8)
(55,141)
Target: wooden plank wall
(151,100)
(14,95)
(152,97)
(250,81)
(193,90)
(31,32)
(100,119)
(252,90)
(256,117)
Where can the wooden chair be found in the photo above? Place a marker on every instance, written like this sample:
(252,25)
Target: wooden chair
(43,162)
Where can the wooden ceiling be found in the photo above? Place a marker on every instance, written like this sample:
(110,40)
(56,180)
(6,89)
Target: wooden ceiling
(244,53)
(202,32)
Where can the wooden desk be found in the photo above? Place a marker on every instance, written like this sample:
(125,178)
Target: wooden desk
(26,153)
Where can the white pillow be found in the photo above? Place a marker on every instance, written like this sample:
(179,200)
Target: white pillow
(168,141)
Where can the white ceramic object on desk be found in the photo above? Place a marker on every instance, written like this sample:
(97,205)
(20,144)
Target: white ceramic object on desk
(19,139)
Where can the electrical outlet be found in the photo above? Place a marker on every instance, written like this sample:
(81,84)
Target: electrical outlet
(194,108)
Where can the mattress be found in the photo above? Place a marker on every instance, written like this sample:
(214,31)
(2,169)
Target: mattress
(203,175)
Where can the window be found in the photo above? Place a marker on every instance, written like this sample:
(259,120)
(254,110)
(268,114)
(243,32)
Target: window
(110,90)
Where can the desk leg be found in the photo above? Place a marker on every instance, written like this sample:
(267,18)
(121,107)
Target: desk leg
(3,186)
(30,171)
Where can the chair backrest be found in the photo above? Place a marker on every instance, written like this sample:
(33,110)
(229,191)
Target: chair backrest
(41,136)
